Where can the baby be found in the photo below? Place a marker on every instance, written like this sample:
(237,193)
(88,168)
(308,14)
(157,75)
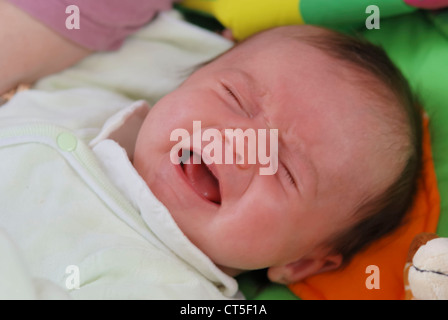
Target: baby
(348,155)
(348,152)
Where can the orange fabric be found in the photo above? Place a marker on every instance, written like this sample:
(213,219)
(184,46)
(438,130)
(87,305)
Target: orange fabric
(388,254)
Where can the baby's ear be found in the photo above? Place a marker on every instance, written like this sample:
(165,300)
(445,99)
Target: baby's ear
(303,268)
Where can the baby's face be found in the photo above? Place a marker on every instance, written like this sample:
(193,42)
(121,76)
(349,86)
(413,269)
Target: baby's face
(323,154)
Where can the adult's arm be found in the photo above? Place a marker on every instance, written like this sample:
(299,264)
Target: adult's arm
(36,42)
(31,50)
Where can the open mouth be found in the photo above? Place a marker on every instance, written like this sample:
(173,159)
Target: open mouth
(201,178)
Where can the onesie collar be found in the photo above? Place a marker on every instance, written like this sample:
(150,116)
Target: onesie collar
(114,147)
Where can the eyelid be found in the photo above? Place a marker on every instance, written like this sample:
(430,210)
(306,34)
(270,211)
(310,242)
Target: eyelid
(230,92)
(235,96)
(288,175)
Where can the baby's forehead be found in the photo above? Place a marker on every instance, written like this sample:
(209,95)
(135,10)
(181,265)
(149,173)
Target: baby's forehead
(290,44)
(292,35)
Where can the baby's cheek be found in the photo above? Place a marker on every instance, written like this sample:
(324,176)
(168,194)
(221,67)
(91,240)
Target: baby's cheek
(267,202)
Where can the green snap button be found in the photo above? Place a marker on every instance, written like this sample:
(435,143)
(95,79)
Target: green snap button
(67,142)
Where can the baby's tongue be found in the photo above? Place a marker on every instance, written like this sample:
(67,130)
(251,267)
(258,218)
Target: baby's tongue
(202,180)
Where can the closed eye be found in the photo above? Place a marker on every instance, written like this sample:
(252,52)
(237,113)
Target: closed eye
(231,93)
(288,175)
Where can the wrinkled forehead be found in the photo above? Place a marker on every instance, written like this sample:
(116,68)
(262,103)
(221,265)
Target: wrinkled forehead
(275,57)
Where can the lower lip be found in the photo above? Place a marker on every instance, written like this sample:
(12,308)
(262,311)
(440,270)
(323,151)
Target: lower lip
(181,174)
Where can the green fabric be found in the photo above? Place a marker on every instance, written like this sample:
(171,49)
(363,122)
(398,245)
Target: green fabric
(420,49)
(255,286)
(440,19)
(332,13)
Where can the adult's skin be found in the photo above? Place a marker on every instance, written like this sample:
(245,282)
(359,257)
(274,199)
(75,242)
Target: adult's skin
(30,50)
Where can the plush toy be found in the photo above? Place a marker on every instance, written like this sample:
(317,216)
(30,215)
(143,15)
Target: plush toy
(426,271)
(246,17)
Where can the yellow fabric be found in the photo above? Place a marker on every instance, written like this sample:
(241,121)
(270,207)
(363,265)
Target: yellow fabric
(247,17)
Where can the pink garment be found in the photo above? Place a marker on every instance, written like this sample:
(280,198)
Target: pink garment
(428,4)
(104,24)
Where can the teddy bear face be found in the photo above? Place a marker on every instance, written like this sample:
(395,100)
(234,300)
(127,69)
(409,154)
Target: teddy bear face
(428,275)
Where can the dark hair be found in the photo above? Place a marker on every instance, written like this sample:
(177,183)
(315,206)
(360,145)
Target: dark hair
(385,212)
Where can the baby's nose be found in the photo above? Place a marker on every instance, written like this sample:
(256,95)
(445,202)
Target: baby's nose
(240,147)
